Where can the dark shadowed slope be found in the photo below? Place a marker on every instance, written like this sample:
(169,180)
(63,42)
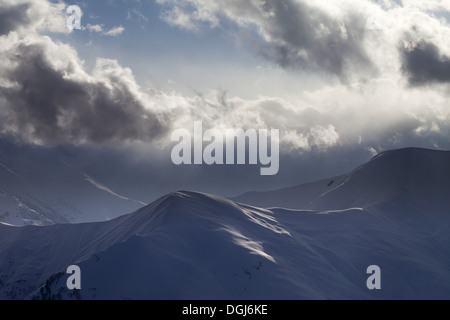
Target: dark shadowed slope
(196,246)
(391,212)
(412,180)
(40,186)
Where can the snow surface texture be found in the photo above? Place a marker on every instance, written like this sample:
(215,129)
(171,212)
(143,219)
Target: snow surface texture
(391,212)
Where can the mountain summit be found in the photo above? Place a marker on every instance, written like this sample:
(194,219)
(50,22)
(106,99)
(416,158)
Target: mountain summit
(408,180)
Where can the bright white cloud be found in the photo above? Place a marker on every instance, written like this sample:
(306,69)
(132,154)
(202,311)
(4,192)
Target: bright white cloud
(98,28)
(115,31)
(95,28)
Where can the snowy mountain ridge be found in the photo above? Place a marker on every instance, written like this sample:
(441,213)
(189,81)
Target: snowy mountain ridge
(54,192)
(418,178)
(189,245)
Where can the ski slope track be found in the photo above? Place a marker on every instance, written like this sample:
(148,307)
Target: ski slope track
(313,241)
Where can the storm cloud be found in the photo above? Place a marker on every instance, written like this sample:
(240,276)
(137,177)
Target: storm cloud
(13,17)
(424,64)
(292,33)
(50,104)
(29,16)
(48,96)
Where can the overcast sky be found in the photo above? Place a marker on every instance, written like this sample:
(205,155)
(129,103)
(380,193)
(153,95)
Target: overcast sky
(341,79)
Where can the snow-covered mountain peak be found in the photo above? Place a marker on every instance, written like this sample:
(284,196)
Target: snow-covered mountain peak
(409,181)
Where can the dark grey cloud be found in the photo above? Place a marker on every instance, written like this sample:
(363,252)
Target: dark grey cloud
(304,36)
(13,17)
(291,33)
(47,106)
(424,64)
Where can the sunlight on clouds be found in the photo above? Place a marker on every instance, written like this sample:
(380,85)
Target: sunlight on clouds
(362,93)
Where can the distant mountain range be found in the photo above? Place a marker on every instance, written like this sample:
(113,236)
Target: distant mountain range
(404,182)
(45,186)
(313,241)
